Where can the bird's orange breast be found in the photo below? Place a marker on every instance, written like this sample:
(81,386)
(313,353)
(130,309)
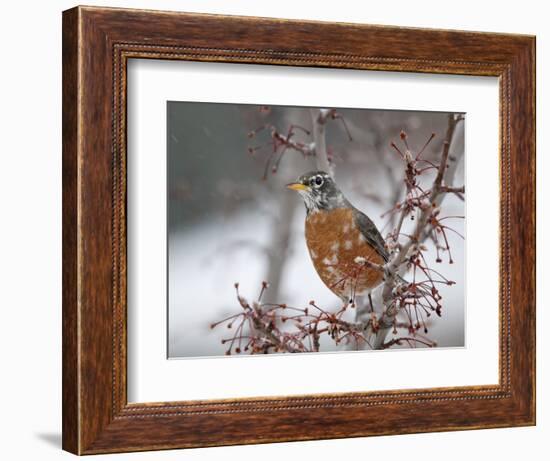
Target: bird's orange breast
(335,242)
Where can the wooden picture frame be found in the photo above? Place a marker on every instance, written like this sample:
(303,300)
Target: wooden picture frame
(97,44)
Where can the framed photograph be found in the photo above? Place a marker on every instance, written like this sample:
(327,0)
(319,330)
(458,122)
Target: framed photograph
(281,230)
(318,238)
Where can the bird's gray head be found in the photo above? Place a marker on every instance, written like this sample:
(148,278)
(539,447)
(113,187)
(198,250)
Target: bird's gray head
(319,191)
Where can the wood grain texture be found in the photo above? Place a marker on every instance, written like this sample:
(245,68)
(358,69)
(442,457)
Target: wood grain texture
(97,43)
(70,383)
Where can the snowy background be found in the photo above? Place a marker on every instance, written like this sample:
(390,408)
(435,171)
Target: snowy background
(227,224)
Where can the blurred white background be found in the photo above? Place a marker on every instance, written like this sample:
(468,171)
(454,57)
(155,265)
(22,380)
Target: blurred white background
(30,244)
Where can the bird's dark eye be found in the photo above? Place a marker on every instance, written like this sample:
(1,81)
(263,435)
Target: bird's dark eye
(318,180)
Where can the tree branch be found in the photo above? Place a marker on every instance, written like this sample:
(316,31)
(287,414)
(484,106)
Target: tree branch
(393,267)
(318,120)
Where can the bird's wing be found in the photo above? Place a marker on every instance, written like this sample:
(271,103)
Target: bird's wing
(371,233)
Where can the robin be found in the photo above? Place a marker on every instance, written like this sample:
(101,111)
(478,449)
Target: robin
(345,246)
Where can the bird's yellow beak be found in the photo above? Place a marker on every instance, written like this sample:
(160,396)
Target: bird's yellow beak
(297,186)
